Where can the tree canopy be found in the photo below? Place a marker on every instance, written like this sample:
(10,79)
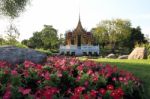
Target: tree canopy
(118,33)
(12,8)
(112,31)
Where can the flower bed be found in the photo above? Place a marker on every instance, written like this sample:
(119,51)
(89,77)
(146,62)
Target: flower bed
(67,78)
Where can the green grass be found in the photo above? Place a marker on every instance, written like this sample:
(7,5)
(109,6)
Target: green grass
(140,68)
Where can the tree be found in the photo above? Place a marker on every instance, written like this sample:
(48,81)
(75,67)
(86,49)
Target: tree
(136,37)
(12,35)
(101,35)
(46,38)
(12,8)
(112,31)
(49,37)
(61,40)
(2,40)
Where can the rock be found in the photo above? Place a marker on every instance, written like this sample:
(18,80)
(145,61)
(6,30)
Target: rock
(110,56)
(138,53)
(14,55)
(123,57)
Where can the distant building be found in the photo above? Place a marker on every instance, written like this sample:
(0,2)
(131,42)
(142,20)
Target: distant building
(79,42)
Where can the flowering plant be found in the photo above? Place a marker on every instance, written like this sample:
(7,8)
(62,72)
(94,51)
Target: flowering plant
(66,77)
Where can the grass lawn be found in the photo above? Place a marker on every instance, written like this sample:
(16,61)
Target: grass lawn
(140,68)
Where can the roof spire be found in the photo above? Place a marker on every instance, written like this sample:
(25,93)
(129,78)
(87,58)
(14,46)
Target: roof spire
(79,26)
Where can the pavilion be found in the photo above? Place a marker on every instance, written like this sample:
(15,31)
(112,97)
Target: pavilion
(79,42)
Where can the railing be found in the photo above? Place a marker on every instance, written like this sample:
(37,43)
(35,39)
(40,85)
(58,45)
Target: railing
(83,47)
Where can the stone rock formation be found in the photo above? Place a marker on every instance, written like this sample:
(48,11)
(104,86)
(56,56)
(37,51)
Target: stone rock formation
(123,57)
(110,56)
(15,55)
(138,53)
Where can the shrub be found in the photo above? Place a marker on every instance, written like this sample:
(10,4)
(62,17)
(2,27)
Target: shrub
(47,52)
(64,77)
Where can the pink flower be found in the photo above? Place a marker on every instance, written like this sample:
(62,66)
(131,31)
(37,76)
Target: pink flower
(14,72)
(64,67)
(89,72)
(80,68)
(86,83)
(26,74)
(47,76)
(27,64)
(24,91)
(59,74)
(7,95)
(121,79)
(3,64)
(78,78)
(114,79)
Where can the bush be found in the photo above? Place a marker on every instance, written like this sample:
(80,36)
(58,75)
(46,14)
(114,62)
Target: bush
(47,52)
(20,45)
(67,78)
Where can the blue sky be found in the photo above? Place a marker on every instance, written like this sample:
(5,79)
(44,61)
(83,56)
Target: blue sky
(64,14)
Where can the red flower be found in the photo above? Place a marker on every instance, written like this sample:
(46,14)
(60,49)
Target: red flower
(110,87)
(49,92)
(39,67)
(117,93)
(120,91)
(86,96)
(102,91)
(76,96)
(6,71)
(79,90)
(95,78)
(38,94)
(93,93)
